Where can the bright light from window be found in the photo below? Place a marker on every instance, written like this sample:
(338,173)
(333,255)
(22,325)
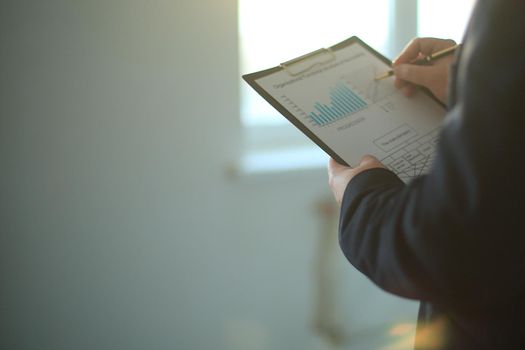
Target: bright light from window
(444,19)
(275,31)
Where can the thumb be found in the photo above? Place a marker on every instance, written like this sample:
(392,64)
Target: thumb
(412,73)
(368,158)
(333,165)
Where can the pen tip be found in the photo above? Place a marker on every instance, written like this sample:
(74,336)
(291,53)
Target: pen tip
(384,75)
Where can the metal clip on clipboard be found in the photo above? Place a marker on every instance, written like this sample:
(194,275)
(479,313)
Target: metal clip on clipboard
(303,64)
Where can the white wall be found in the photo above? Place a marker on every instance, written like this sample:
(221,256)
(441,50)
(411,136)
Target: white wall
(119,225)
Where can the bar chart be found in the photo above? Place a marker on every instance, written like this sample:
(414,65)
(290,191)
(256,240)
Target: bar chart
(344,102)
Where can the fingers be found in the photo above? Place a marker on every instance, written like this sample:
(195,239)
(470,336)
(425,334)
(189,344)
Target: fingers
(370,161)
(421,47)
(414,74)
(410,52)
(367,158)
(339,176)
(409,90)
(403,77)
(334,166)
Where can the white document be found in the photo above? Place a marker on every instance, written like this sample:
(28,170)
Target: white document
(339,105)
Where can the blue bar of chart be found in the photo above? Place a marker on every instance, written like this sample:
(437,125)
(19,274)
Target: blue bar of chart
(344,102)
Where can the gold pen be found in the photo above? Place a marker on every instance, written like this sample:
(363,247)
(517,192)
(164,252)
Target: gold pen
(423,61)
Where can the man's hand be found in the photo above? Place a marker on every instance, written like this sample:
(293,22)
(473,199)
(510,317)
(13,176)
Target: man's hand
(339,175)
(434,77)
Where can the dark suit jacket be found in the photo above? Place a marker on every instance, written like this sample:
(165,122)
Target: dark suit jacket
(455,238)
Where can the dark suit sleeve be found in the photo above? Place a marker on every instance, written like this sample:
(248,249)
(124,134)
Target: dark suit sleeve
(456,236)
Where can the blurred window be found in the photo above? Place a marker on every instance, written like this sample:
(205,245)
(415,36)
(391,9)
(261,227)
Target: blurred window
(275,31)
(444,19)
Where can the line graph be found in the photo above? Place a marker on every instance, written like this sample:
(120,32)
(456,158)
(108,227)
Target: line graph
(372,89)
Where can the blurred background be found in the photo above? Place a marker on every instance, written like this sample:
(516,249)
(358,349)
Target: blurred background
(149,201)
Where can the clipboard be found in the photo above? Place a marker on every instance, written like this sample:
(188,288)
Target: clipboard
(318,58)
(340,111)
